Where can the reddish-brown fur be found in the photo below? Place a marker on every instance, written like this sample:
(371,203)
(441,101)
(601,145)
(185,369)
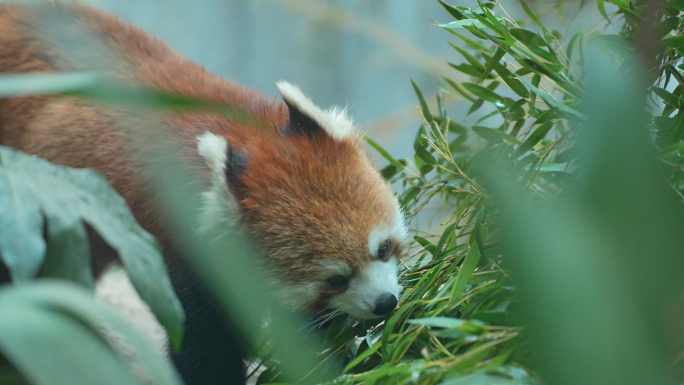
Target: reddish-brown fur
(81,134)
(307,197)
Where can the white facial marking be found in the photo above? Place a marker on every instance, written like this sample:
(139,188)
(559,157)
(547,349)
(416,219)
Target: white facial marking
(378,277)
(335,121)
(213,149)
(364,290)
(396,230)
(219,207)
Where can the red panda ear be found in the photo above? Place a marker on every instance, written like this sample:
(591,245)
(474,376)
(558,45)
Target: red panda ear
(300,123)
(307,118)
(236,167)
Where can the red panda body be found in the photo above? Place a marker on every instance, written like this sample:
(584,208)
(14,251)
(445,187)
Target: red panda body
(299,180)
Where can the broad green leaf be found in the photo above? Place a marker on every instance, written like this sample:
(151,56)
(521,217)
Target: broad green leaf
(64,301)
(106,340)
(50,348)
(77,196)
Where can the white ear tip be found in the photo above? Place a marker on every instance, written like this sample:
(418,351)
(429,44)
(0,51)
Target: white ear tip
(290,92)
(335,121)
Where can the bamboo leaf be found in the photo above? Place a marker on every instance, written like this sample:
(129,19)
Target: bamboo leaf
(495,136)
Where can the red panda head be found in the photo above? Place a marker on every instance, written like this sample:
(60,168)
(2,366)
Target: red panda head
(311,198)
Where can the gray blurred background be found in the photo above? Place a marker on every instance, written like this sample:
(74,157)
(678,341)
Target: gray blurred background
(358,53)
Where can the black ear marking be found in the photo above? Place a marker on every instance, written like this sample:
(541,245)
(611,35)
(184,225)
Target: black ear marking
(236,166)
(301,123)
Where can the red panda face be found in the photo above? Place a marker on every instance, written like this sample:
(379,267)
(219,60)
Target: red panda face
(312,200)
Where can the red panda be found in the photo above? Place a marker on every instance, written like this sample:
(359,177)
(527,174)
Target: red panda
(301,183)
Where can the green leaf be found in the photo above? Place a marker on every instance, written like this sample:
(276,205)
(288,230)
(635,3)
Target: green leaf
(532,15)
(616,44)
(358,359)
(453,11)
(483,92)
(493,135)
(51,349)
(382,151)
(465,272)
(410,195)
(438,322)
(552,102)
(423,104)
(602,9)
(486,379)
(514,84)
(464,23)
(460,90)
(77,196)
(468,70)
(526,37)
(448,232)
(426,244)
(55,333)
(667,97)
(493,62)
(575,41)
(420,147)
(533,139)
(470,58)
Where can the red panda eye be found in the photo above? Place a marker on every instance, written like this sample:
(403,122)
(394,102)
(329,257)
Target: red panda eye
(337,281)
(383,250)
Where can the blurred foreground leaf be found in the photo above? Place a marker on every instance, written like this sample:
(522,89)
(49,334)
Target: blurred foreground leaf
(53,332)
(39,195)
(598,271)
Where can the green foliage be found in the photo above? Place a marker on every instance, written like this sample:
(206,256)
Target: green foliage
(62,201)
(53,332)
(542,93)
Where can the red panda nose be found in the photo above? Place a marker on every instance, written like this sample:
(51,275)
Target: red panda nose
(385,304)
